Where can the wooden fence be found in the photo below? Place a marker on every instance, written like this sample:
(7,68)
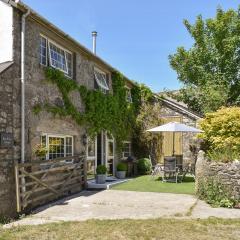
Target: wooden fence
(40,182)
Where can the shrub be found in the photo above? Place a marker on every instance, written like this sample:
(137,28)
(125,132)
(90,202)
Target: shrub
(214,193)
(144,166)
(223,155)
(101,169)
(121,166)
(222,129)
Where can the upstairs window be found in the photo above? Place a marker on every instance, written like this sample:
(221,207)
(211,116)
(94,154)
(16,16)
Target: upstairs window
(126,152)
(128,95)
(43,51)
(56,56)
(101,80)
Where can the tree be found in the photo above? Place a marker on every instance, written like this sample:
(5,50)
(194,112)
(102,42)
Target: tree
(210,69)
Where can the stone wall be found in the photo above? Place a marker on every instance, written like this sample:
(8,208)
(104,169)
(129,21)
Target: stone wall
(10,123)
(38,91)
(227,174)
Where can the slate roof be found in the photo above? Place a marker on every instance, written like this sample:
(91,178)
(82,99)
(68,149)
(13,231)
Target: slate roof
(5,65)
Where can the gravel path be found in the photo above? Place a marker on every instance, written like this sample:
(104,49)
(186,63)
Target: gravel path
(116,204)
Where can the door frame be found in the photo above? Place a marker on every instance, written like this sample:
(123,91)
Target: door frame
(112,140)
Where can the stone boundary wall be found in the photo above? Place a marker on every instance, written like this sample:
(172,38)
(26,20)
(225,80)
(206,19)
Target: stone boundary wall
(228,174)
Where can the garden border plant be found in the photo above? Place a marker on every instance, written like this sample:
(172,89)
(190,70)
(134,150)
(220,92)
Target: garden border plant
(213,192)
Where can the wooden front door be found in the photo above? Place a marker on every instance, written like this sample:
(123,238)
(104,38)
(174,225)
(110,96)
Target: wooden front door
(167,145)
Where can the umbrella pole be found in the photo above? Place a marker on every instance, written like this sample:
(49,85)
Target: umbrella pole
(173,143)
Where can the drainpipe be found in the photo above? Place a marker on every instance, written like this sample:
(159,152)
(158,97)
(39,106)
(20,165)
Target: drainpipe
(23,85)
(23,93)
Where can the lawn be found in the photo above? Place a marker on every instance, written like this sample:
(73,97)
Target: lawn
(129,229)
(149,184)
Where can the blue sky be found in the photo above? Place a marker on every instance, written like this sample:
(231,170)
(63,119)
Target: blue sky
(134,36)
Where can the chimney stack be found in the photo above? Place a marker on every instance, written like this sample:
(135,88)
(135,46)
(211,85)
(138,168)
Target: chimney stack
(94,38)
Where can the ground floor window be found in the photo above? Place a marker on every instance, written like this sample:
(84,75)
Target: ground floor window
(126,152)
(57,145)
(91,157)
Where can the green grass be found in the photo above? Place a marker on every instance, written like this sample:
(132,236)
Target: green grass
(148,184)
(128,229)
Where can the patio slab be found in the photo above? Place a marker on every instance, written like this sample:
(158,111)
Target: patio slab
(116,204)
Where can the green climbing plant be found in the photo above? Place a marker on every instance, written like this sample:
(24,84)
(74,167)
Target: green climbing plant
(109,112)
(104,112)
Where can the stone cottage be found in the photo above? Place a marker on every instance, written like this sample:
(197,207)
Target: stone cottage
(28,44)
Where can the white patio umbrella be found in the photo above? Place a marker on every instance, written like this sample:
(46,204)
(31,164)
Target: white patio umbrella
(174,127)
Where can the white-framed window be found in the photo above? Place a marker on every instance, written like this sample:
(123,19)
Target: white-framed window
(128,95)
(91,148)
(126,152)
(110,145)
(57,145)
(56,56)
(101,80)
(43,51)
(91,157)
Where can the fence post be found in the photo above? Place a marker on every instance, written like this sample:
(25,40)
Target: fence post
(85,171)
(17,188)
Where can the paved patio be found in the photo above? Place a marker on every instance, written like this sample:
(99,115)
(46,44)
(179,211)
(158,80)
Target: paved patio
(116,204)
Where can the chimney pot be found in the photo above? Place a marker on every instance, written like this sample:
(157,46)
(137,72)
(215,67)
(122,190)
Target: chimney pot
(94,38)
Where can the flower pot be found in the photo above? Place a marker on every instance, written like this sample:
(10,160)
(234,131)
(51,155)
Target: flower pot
(101,178)
(121,174)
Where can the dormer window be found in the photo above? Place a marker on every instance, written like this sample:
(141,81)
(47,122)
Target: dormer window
(56,56)
(101,80)
(128,95)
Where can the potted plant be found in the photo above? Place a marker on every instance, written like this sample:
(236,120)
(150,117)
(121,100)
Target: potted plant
(121,170)
(40,151)
(101,174)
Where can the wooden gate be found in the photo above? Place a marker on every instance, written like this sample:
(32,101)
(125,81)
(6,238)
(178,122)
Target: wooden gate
(40,182)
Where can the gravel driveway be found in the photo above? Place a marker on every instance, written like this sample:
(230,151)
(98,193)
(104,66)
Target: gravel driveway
(116,204)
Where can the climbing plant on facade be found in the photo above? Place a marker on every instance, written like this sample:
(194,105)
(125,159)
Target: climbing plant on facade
(109,112)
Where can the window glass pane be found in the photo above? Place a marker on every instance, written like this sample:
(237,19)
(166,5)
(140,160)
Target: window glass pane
(58,58)
(91,147)
(43,51)
(126,149)
(69,63)
(90,169)
(44,140)
(128,95)
(110,148)
(56,147)
(100,78)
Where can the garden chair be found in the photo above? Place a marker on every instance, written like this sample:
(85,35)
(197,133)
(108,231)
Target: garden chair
(170,169)
(158,171)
